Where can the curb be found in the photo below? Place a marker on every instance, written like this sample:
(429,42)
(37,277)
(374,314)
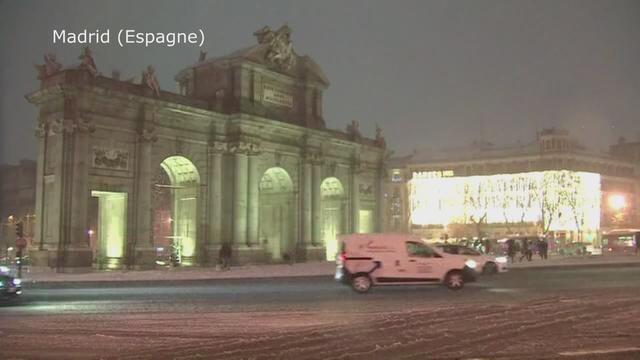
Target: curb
(74,284)
(577,266)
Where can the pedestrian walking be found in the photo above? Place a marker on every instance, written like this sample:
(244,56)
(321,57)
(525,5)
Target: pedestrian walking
(525,250)
(225,256)
(511,250)
(544,248)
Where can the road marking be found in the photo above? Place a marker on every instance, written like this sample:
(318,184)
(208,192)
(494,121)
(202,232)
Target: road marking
(599,351)
(502,290)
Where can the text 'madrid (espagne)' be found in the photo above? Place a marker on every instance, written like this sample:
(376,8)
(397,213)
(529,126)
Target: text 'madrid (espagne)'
(129,37)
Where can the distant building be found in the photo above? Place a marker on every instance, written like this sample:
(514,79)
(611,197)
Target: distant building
(552,185)
(17,200)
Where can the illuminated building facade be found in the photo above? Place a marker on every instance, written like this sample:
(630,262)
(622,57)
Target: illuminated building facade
(551,186)
(131,175)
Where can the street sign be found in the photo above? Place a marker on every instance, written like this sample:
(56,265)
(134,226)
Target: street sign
(21,242)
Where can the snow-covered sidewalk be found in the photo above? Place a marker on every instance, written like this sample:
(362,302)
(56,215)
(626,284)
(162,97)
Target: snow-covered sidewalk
(567,261)
(284,270)
(191,273)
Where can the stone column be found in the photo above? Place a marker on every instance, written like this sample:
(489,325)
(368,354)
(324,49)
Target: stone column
(380,201)
(253,197)
(240,194)
(41,134)
(306,202)
(355,197)
(145,255)
(74,254)
(316,212)
(38,252)
(214,241)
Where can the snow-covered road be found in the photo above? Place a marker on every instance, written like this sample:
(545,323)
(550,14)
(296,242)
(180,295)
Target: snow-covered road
(482,322)
(545,327)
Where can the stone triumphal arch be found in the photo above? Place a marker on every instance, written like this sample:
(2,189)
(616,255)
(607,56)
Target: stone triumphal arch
(132,175)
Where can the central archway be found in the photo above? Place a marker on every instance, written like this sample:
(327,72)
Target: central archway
(332,193)
(175,211)
(276,213)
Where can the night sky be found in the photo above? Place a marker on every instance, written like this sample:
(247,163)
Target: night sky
(432,74)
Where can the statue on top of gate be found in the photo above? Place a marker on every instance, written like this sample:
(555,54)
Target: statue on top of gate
(280,51)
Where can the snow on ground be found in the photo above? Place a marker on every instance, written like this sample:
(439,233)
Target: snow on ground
(545,327)
(193,273)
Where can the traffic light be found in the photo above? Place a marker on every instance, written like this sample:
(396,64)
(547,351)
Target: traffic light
(19,229)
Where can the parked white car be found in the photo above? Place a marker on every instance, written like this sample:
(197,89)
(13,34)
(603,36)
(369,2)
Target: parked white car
(487,264)
(366,260)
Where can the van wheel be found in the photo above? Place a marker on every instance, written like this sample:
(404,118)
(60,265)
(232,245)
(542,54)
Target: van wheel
(490,268)
(454,280)
(361,283)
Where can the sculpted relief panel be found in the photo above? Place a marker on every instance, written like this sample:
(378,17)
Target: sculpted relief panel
(367,190)
(109,158)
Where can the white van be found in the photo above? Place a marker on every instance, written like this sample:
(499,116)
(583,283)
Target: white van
(398,259)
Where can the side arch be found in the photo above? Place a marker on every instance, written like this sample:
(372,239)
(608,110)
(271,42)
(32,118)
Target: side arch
(276,217)
(176,192)
(333,211)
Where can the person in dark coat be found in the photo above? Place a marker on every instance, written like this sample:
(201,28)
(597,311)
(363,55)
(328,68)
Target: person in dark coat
(544,248)
(525,249)
(511,250)
(225,256)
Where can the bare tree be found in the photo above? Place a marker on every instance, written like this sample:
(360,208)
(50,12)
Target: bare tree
(570,193)
(525,198)
(548,200)
(507,200)
(476,197)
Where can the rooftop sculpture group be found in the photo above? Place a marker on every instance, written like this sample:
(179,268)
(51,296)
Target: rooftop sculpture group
(280,51)
(52,66)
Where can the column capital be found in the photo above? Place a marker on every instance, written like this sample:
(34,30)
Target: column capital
(55,127)
(68,126)
(79,125)
(147,135)
(51,127)
(85,126)
(42,129)
(218,147)
(314,157)
(244,147)
(357,165)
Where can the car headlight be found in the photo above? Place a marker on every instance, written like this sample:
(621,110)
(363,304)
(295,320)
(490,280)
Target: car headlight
(501,259)
(17,281)
(470,264)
